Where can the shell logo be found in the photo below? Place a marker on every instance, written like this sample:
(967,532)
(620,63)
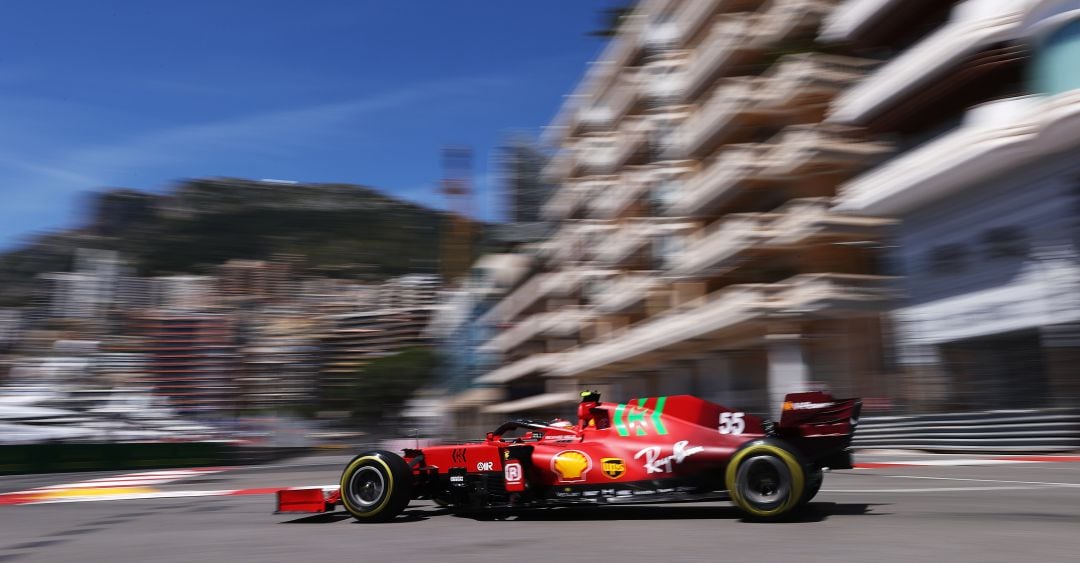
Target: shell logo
(571,466)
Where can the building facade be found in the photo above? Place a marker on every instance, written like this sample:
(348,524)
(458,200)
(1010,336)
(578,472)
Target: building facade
(696,250)
(192,360)
(982,100)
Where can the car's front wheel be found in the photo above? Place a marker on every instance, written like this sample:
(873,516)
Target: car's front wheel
(765,479)
(376,486)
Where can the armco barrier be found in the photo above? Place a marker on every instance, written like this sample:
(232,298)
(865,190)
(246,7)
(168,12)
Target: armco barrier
(991,431)
(54,458)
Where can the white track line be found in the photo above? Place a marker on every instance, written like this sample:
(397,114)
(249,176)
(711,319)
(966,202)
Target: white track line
(1044,483)
(141,479)
(936,489)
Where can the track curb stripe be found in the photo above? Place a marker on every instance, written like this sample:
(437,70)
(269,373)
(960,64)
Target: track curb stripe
(138,494)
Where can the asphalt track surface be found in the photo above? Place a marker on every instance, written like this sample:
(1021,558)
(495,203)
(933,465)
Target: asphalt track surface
(992,512)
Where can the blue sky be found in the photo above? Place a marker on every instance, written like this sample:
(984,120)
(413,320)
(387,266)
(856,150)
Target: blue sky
(140,94)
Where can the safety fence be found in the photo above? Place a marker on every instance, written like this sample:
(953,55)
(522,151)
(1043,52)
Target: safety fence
(991,431)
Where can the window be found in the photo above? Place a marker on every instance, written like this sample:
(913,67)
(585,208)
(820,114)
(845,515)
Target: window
(666,247)
(1054,70)
(1005,242)
(666,191)
(948,259)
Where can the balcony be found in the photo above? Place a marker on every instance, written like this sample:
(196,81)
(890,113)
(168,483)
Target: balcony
(624,242)
(594,233)
(560,166)
(538,287)
(692,16)
(994,138)
(725,311)
(632,139)
(720,178)
(592,118)
(825,295)
(695,319)
(568,243)
(810,80)
(663,78)
(660,36)
(788,20)
(609,203)
(535,402)
(802,150)
(623,52)
(596,155)
(809,220)
(712,253)
(564,202)
(519,368)
(727,44)
(844,23)
(667,181)
(516,335)
(729,107)
(563,323)
(624,94)
(973,26)
(624,292)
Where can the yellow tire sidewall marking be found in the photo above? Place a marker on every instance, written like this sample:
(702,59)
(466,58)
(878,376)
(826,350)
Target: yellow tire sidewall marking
(797,478)
(347,475)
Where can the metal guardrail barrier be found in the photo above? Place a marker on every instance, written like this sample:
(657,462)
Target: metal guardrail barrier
(993,431)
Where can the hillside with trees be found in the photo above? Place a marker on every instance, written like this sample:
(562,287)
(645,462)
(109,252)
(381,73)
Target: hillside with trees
(338,230)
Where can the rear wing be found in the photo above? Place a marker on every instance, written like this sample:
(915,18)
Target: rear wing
(820,426)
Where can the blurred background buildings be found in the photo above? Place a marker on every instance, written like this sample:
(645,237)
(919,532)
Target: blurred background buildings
(740,199)
(756,197)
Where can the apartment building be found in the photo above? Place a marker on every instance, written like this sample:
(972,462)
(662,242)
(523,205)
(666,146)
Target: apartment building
(280,359)
(191,359)
(258,280)
(89,291)
(696,249)
(354,339)
(459,339)
(981,99)
(410,291)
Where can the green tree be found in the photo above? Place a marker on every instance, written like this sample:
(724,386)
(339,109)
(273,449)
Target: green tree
(383,385)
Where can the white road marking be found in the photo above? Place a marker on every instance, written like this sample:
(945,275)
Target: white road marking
(958,462)
(936,489)
(1044,483)
(144,478)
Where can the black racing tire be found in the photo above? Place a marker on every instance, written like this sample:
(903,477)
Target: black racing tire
(814,477)
(766,479)
(376,486)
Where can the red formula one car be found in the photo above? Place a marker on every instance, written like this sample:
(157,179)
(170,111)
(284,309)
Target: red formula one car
(648,450)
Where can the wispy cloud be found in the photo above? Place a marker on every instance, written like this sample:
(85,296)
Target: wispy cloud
(42,187)
(274,133)
(27,167)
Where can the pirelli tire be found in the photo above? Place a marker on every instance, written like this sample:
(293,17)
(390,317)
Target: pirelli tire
(814,477)
(376,486)
(766,479)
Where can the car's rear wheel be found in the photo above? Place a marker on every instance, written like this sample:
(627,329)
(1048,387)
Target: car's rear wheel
(814,478)
(765,479)
(376,486)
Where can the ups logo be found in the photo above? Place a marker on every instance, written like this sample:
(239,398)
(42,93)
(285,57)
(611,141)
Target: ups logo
(612,467)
